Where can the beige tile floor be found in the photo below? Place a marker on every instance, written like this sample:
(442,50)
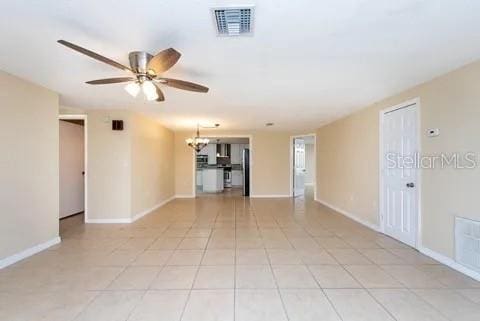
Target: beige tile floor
(229,258)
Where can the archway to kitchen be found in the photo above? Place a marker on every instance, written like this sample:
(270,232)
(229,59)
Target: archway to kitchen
(224,167)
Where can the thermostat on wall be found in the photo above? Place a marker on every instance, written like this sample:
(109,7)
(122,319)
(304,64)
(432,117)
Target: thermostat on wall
(433,132)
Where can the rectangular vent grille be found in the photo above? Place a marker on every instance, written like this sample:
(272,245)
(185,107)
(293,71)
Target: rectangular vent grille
(467,243)
(233,21)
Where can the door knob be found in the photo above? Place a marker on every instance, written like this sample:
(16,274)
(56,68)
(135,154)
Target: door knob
(410,185)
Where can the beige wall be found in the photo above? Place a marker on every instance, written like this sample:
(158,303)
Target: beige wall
(72,159)
(270,153)
(153,164)
(109,172)
(271,163)
(130,171)
(347,156)
(347,164)
(28,165)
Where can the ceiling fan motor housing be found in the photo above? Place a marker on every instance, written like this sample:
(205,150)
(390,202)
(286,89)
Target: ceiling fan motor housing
(139,61)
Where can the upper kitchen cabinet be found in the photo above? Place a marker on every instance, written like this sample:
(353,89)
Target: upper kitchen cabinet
(203,151)
(236,154)
(212,154)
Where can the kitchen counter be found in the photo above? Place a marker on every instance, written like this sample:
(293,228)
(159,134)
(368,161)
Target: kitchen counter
(212,179)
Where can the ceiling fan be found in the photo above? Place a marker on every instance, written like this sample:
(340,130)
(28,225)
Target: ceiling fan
(145,72)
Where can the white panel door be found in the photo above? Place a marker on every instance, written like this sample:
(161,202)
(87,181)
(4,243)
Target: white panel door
(399,212)
(299,167)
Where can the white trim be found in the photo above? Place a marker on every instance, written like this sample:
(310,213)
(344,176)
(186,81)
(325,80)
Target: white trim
(292,174)
(28,252)
(184,196)
(220,135)
(349,215)
(270,196)
(416,102)
(143,213)
(428,252)
(449,262)
(109,221)
(85,162)
(129,220)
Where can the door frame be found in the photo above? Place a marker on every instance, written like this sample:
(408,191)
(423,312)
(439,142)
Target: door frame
(412,102)
(292,165)
(212,135)
(85,161)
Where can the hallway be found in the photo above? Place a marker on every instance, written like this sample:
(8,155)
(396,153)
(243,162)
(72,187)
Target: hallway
(232,258)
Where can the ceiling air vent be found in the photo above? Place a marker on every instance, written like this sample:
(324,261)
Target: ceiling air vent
(234,21)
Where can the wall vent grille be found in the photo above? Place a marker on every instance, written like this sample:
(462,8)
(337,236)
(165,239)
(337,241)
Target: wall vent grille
(234,21)
(467,243)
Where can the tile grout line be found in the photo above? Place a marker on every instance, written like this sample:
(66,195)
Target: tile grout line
(130,265)
(197,271)
(235,261)
(276,281)
(326,296)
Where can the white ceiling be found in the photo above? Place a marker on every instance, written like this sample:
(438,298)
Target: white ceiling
(308,62)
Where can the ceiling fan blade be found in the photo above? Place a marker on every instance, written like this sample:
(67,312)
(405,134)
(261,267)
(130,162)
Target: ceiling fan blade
(163,60)
(185,85)
(161,97)
(94,55)
(110,81)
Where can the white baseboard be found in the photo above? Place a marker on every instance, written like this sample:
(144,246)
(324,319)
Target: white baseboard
(270,196)
(129,220)
(428,252)
(449,262)
(143,213)
(109,220)
(349,215)
(28,252)
(184,196)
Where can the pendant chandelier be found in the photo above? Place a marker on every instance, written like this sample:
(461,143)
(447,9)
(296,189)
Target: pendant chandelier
(197,142)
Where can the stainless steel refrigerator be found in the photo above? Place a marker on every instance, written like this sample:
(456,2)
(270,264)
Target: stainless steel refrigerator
(246,171)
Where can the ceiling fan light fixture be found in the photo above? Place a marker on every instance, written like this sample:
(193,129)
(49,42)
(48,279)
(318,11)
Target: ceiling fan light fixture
(144,69)
(133,89)
(149,90)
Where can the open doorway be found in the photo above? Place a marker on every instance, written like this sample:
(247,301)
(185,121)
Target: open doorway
(222,168)
(72,170)
(303,165)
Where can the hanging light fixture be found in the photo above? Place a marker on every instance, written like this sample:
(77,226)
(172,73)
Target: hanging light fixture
(197,142)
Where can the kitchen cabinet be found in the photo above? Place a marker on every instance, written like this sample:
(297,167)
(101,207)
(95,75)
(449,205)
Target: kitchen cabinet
(236,156)
(199,178)
(203,151)
(212,179)
(237,178)
(212,154)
